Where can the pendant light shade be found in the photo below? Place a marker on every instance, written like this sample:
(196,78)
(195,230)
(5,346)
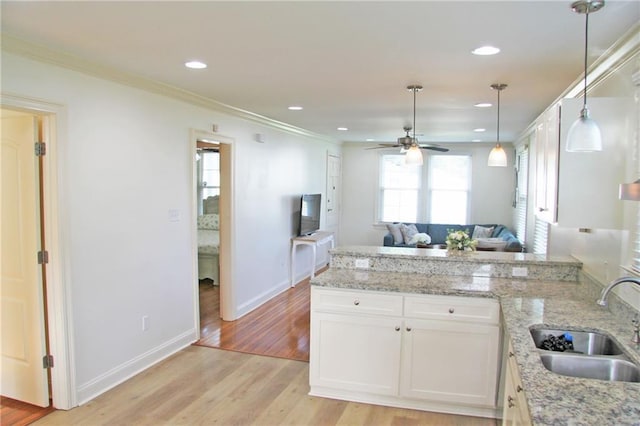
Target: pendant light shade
(498,156)
(584,134)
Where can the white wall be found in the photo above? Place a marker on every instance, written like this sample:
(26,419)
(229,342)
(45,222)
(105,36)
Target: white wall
(124,162)
(491,196)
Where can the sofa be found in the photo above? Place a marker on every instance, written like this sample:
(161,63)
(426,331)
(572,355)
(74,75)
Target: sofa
(489,236)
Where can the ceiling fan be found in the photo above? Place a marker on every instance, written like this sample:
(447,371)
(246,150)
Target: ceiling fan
(409,144)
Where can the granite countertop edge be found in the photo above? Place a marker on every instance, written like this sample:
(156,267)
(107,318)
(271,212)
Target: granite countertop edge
(455,256)
(551,398)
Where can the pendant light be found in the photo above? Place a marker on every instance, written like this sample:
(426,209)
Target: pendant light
(497,156)
(584,134)
(414,153)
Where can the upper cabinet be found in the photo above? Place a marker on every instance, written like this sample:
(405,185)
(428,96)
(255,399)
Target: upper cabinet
(580,189)
(588,181)
(547,143)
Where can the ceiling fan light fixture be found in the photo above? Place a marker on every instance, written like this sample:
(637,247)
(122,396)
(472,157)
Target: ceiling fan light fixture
(498,156)
(584,134)
(413,156)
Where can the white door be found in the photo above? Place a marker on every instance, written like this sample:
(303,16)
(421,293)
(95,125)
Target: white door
(333,192)
(22,308)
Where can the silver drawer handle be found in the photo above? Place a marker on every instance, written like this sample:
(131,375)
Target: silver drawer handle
(408,328)
(356,302)
(451,310)
(397,328)
(510,400)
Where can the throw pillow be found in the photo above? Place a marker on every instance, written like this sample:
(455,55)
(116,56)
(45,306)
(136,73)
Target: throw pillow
(394,229)
(421,238)
(481,232)
(408,231)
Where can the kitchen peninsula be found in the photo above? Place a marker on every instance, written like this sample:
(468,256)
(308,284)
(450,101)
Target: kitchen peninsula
(417,318)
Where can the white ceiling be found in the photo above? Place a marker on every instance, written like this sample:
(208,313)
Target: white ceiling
(347,63)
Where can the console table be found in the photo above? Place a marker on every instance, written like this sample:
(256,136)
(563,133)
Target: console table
(313,240)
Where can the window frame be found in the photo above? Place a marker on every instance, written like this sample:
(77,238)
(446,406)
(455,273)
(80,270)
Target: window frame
(423,215)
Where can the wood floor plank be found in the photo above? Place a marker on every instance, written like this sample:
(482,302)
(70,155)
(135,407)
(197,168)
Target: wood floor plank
(204,386)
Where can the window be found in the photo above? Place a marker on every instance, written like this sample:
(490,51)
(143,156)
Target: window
(208,175)
(399,189)
(437,192)
(522,181)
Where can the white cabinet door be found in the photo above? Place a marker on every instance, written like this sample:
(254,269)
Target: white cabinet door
(450,361)
(547,145)
(356,353)
(515,409)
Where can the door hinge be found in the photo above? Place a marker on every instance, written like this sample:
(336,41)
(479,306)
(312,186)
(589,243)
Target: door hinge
(43,257)
(40,149)
(47,361)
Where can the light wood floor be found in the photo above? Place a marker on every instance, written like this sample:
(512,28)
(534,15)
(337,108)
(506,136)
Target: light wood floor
(205,386)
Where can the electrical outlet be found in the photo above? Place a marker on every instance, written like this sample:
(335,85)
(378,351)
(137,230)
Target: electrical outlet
(145,323)
(362,263)
(519,272)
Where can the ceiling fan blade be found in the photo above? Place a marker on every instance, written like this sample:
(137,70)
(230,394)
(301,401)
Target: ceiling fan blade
(384,145)
(434,148)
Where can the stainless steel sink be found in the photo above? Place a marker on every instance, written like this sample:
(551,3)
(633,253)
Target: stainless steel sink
(588,343)
(591,367)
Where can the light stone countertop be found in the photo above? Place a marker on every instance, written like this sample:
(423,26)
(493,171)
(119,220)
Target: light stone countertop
(446,255)
(553,399)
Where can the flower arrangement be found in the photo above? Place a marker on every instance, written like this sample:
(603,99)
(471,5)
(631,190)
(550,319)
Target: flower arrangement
(460,240)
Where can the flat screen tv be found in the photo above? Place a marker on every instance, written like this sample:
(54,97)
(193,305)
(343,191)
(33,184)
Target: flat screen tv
(309,219)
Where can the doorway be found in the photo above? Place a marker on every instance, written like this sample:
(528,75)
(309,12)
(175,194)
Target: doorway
(213,201)
(60,390)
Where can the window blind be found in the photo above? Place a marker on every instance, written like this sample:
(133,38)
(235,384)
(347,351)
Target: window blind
(541,237)
(522,181)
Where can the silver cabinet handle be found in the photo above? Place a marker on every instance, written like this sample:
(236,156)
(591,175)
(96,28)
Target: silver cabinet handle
(408,328)
(451,310)
(510,400)
(356,302)
(397,328)
(519,388)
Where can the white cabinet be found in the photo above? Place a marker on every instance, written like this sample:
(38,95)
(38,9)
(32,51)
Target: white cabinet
(515,408)
(547,145)
(450,361)
(436,353)
(355,353)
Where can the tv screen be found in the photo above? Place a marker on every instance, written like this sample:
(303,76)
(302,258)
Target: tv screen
(309,214)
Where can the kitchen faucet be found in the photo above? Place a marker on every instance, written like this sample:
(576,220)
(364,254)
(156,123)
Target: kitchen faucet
(603,296)
(602,301)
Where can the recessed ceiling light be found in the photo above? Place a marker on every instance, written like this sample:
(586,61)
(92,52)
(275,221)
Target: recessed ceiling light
(295,108)
(485,50)
(370,140)
(479,129)
(343,129)
(483,105)
(196,65)
(476,140)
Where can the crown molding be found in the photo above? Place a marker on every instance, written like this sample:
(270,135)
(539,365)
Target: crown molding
(44,54)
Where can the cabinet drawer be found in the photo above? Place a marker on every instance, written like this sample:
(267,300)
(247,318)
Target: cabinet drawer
(355,302)
(453,308)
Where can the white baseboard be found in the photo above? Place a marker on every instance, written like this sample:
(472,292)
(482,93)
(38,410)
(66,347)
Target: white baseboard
(125,371)
(260,299)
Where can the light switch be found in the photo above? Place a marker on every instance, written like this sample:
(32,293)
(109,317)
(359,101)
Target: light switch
(174,215)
